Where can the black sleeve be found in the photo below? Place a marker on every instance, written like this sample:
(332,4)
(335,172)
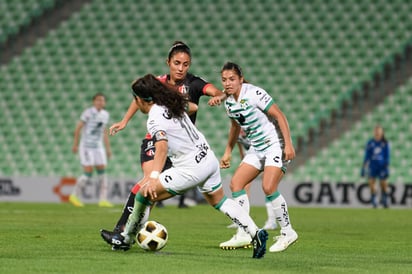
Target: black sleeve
(196,87)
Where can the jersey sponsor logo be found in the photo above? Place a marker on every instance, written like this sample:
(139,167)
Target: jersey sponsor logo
(167,114)
(265,99)
(203,148)
(238,117)
(97,129)
(7,188)
(168,179)
(149,145)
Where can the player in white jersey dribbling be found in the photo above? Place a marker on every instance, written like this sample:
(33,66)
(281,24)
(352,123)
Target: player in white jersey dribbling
(92,132)
(194,163)
(253,110)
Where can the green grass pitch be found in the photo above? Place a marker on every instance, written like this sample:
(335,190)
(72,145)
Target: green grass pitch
(58,238)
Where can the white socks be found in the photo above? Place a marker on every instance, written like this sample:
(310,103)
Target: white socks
(242,199)
(103,183)
(138,217)
(80,182)
(281,212)
(238,215)
(270,212)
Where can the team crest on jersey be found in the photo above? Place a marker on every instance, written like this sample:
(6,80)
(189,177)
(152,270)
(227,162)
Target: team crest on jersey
(184,89)
(377,150)
(243,103)
(150,152)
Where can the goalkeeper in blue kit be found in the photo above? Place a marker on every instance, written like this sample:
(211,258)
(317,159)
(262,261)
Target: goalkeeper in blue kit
(376,165)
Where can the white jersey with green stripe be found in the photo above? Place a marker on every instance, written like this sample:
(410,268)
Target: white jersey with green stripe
(249,111)
(95,122)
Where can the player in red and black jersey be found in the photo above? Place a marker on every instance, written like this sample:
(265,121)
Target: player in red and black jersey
(178,60)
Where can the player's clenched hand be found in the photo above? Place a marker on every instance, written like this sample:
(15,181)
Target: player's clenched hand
(214,101)
(116,127)
(217,100)
(289,152)
(225,160)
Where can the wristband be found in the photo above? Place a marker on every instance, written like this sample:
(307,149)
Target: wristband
(154,175)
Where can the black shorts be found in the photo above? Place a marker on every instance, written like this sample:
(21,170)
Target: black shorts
(147,152)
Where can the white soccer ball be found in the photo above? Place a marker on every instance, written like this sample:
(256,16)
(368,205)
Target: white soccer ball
(153,236)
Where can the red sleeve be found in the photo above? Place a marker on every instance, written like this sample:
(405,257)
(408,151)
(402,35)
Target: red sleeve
(205,87)
(162,78)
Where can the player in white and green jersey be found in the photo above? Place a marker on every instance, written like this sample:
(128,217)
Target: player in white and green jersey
(93,149)
(253,110)
(194,164)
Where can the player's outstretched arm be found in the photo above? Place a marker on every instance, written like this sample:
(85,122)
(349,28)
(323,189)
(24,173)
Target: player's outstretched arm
(217,95)
(116,127)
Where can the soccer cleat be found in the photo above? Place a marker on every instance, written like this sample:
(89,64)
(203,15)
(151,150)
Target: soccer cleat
(239,240)
(259,244)
(119,242)
(284,241)
(105,203)
(75,201)
(270,225)
(108,235)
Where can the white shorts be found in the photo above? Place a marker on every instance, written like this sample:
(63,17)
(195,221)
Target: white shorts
(92,156)
(205,175)
(273,156)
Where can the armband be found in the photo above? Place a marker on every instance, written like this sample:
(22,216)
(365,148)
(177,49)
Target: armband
(160,135)
(154,175)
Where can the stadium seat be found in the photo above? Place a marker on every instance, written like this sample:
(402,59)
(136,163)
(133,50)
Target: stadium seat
(309,56)
(392,115)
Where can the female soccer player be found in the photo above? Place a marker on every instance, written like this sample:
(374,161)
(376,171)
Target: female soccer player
(178,60)
(376,162)
(92,129)
(193,163)
(252,109)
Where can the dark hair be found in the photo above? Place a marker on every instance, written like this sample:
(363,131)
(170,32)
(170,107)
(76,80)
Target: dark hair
(98,95)
(149,88)
(236,68)
(178,46)
(232,66)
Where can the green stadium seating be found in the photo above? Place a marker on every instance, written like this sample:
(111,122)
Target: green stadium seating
(19,14)
(345,156)
(309,55)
